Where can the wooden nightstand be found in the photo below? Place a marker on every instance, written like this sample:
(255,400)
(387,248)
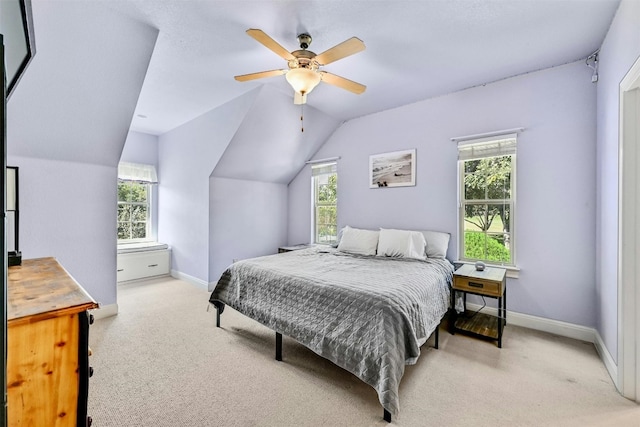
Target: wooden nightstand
(294,247)
(489,283)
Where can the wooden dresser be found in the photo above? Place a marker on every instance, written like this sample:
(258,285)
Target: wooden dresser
(47,346)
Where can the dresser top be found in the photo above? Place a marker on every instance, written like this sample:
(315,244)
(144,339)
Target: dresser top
(41,287)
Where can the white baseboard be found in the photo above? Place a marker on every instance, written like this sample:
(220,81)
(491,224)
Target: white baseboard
(563,329)
(198,283)
(556,327)
(105,311)
(607,359)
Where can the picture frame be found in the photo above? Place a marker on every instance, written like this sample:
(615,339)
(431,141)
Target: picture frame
(393,169)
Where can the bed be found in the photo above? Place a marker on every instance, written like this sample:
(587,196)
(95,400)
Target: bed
(368,314)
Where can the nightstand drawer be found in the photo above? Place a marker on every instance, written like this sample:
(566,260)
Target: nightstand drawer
(484,287)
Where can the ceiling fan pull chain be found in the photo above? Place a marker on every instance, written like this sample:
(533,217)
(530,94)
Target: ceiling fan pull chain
(301,117)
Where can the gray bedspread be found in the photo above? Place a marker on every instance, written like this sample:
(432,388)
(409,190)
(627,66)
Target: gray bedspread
(368,315)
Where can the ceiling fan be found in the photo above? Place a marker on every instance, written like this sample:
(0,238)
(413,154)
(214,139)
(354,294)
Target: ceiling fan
(303,72)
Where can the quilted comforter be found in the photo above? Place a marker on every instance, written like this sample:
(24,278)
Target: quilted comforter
(368,315)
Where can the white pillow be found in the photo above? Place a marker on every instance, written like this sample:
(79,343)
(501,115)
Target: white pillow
(401,243)
(437,243)
(358,241)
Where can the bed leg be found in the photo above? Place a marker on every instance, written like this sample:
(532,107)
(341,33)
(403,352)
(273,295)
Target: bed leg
(278,346)
(217,317)
(437,336)
(387,416)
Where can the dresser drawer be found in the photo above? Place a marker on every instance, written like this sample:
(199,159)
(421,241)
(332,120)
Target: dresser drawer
(479,286)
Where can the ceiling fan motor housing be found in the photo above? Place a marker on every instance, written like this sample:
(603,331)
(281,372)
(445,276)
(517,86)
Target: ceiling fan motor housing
(304,59)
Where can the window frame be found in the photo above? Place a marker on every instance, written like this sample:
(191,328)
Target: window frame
(316,204)
(511,202)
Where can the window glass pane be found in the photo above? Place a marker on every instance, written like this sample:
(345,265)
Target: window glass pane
(139,230)
(326,215)
(123,192)
(123,231)
(470,166)
(138,213)
(475,217)
(497,249)
(124,212)
(498,217)
(475,245)
(475,187)
(497,172)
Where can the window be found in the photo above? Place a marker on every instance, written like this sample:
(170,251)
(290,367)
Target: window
(134,219)
(134,201)
(325,203)
(487,199)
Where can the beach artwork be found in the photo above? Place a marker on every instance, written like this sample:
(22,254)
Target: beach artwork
(396,169)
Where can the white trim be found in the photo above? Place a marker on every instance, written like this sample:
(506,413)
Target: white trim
(557,327)
(487,134)
(563,329)
(607,359)
(198,283)
(628,356)
(327,160)
(105,311)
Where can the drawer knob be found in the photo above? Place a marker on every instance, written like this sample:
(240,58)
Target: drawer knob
(152,265)
(90,371)
(476,285)
(89,421)
(91,319)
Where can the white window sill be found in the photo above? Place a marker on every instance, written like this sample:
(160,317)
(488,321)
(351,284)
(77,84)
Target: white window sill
(124,248)
(512,271)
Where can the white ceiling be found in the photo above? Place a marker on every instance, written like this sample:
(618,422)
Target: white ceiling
(415,49)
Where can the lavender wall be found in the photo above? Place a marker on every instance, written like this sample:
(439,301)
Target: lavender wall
(187,156)
(140,148)
(619,51)
(68,211)
(248,219)
(555,197)
(254,144)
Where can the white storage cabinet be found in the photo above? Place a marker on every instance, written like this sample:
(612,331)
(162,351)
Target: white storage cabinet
(140,265)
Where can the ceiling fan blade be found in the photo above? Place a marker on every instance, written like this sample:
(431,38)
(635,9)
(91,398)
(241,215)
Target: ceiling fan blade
(260,75)
(339,51)
(270,43)
(343,83)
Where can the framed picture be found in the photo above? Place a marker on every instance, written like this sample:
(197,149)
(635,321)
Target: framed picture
(395,169)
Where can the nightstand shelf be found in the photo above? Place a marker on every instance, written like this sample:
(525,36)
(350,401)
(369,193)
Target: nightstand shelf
(488,283)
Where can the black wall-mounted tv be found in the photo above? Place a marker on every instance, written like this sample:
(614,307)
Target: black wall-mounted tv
(16,26)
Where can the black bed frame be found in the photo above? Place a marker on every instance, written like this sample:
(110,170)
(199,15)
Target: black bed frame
(220,308)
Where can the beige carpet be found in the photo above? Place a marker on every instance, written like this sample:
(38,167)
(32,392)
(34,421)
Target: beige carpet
(162,362)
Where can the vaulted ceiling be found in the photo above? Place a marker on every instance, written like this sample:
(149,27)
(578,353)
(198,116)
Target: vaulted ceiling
(414,49)
(103,67)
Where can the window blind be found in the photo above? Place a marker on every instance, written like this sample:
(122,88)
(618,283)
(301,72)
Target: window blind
(500,145)
(324,169)
(137,172)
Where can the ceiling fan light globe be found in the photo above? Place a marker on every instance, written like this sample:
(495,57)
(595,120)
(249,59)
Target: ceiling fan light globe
(303,80)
